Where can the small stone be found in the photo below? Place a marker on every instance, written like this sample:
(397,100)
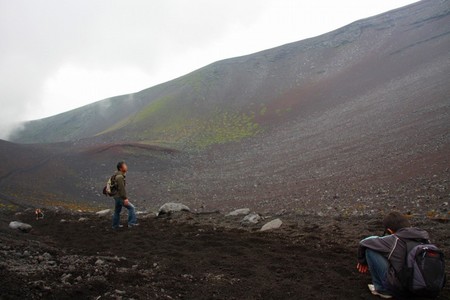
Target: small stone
(99,262)
(20,226)
(52,263)
(281,212)
(65,277)
(47,256)
(274,224)
(172,207)
(238,212)
(119,292)
(63,221)
(103,213)
(82,219)
(251,219)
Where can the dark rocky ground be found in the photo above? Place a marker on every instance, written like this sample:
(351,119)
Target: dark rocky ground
(189,256)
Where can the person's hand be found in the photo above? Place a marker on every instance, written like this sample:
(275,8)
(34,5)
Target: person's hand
(362,268)
(126,202)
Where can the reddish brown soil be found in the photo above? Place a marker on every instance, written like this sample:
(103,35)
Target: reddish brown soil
(189,257)
(353,122)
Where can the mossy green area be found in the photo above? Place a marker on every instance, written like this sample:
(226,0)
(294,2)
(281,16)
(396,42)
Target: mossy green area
(164,123)
(117,126)
(195,80)
(263,110)
(188,119)
(199,133)
(7,207)
(152,110)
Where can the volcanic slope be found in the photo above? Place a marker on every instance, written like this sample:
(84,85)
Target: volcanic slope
(358,117)
(242,96)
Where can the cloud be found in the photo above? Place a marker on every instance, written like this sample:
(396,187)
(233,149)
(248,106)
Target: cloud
(92,84)
(57,55)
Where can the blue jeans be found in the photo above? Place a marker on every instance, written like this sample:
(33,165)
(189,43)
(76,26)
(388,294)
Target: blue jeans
(118,208)
(378,267)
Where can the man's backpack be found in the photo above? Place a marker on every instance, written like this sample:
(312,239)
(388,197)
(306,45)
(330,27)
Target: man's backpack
(424,271)
(110,188)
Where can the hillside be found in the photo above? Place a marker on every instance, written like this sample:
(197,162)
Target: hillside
(355,121)
(241,97)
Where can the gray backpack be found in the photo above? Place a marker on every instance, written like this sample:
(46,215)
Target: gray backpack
(110,188)
(424,271)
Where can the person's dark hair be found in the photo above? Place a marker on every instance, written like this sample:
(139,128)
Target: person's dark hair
(395,221)
(120,164)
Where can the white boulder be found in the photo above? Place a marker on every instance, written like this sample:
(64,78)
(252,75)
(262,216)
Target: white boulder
(274,224)
(103,213)
(172,207)
(251,219)
(238,212)
(20,226)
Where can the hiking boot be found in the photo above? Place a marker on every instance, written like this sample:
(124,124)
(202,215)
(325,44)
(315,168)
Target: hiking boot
(133,225)
(384,295)
(117,227)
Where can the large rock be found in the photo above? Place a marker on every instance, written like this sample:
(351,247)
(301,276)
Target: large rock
(172,207)
(251,219)
(238,212)
(103,213)
(20,226)
(274,224)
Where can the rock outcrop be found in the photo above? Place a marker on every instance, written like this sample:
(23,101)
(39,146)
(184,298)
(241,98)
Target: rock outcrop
(20,226)
(172,207)
(251,219)
(103,213)
(274,224)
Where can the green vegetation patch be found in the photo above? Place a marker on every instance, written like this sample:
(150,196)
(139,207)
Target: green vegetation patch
(8,207)
(166,122)
(225,128)
(116,126)
(152,110)
(199,133)
(263,110)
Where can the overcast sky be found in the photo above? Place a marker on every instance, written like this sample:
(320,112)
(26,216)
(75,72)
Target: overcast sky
(56,55)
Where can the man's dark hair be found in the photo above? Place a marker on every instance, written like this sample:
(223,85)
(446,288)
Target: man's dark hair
(120,164)
(395,221)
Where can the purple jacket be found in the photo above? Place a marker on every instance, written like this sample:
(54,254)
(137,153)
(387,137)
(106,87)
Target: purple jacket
(393,248)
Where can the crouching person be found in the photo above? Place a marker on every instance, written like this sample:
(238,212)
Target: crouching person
(392,261)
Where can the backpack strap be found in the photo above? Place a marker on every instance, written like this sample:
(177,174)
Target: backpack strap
(395,246)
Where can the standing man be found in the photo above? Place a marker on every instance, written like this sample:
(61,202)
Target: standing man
(121,198)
